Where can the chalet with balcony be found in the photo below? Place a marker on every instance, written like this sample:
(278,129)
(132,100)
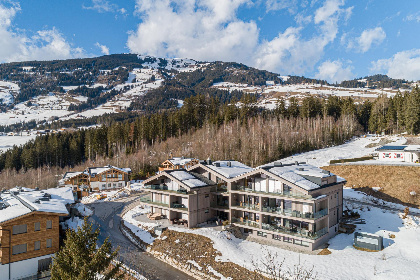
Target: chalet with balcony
(108,177)
(221,172)
(180,195)
(297,204)
(178,163)
(96,179)
(29,230)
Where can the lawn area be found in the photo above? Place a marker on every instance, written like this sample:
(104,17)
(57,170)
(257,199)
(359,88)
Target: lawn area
(395,182)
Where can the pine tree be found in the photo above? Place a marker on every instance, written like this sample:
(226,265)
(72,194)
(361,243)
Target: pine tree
(80,259)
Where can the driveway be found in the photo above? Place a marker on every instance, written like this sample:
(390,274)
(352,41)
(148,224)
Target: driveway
(107,217)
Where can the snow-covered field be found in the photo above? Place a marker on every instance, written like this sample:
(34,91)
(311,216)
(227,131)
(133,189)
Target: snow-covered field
(353,149)
(399,259)
(7,142)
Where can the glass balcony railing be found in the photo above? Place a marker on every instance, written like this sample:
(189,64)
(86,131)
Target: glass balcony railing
(150,201)
(165,188)
(249,206)
(303,233)
(179,206)
(294,213)
(282,194)
(244,222)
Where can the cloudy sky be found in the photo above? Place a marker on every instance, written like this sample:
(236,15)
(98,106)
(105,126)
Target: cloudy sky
(327,39)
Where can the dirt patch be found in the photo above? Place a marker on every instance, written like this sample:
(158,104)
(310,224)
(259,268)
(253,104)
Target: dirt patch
(198,253)
(398,184)
(325,252)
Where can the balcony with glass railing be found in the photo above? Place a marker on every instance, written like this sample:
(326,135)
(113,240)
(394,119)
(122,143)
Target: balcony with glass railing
(295,213)
(299,232)
(179,206)
(245,222)
(165,189)
(244,205)
(148,200)
(281,194)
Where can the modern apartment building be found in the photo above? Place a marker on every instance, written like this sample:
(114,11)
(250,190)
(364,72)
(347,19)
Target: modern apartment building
(296,204)
(179,195)
(29,230)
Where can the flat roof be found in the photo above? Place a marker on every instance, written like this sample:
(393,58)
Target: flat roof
(391,148)
(229,168)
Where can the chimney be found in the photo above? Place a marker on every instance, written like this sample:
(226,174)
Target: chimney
(208,161)
(229,164)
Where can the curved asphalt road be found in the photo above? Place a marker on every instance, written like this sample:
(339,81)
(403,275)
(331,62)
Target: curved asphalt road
(107,217)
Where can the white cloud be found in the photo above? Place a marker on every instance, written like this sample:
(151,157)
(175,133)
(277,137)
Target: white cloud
(104,49)
(204,30)
(104,6)
(333,71)
(210,30)
(44,45)
(276,5)
(413,17)
(367,39)
(403,65)
(290,53)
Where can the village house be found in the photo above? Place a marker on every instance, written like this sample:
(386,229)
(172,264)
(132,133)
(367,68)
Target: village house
(178,163)
(96,179)
(29,230)
(409,153)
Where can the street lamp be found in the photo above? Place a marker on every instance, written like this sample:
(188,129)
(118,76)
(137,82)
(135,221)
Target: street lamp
(10,249)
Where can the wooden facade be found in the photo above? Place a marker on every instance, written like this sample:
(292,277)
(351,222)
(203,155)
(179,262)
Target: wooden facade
(169,165)
(30,237)
(78,180)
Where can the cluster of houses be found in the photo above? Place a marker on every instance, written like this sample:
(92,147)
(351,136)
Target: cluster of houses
(293,204)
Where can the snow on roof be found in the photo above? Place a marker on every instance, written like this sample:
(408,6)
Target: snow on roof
(300,174)
(98,170)
(70,175)
(180,160)
(188,179)
(236,168)
(29,200)
(15,208)
(182,175)
(412,148)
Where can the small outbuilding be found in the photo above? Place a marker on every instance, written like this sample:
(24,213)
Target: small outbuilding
(401,153)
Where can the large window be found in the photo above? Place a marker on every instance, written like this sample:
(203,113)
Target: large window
(49,243)
(37,226)
(18,229)
(119,177)
(37,245)
(49,224)
(19,249)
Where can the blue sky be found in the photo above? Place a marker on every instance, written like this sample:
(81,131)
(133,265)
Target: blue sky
(327,39)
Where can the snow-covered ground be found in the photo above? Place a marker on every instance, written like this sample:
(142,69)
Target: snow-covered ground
(399,259)
(106,196)
(354,148)
(7,142)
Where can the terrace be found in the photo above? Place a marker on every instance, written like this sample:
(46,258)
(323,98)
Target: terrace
(300,232)
(280,194)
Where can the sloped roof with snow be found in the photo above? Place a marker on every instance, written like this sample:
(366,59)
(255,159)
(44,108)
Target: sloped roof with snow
(29,200)
(190,179)
(180,160)
(229,168)
(98,170)
(306,176)
(70,175)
